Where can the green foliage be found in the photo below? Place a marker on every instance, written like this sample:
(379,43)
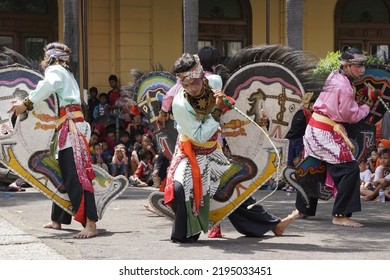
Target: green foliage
(326,65)
(331,62)
(373,59)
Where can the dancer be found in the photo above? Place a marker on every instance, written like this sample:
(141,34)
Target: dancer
(196,168)
(73,155)
(325,138)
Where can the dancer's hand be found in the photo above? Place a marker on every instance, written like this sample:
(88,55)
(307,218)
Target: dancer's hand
(219,95)
(18,107)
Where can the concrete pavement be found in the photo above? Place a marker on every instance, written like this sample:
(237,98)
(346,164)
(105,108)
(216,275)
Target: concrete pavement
(129,232)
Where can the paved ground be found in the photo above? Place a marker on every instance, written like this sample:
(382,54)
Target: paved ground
(129,232)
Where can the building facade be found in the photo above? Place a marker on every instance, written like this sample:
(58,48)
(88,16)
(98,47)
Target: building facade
(118,35)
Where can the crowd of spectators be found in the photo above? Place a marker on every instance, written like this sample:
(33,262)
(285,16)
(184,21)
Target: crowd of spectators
(122,142)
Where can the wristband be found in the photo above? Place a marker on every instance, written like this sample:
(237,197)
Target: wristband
(29,105)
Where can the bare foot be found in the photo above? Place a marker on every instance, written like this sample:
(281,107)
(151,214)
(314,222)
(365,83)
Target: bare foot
(88,232)
(346,221)
(151,209)
(279,229)
(302,216)
(53,225)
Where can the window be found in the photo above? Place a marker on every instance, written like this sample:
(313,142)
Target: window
(363,24)
(225,25)
(7,41)
(33,47)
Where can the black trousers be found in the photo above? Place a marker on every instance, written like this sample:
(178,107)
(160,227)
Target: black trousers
(179,229)
(254,222)
(346,177)
(74,190)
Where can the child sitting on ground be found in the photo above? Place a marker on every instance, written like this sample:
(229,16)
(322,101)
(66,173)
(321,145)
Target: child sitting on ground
(119,165)
(382,177)
(365,175)
(143,175)
(97,156)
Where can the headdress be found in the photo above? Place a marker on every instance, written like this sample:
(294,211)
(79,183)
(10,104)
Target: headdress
(57,51)
(194,73)
(353,58)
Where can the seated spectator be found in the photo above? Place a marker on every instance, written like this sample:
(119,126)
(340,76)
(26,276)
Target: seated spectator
(383,143)
(111,139)
(94,139)
(97,156)
(107,152)
(372,160)
(146,144)
(93,101)
(124,138)
(382,177)
(365,174)
(103,108)
(119,164)
(143,175)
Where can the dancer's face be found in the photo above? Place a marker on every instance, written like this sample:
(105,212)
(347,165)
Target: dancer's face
(355,70)
(193,86)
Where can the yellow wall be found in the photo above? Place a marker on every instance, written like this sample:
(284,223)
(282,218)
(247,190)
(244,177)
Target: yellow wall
(100,41)
(126,34)
(167,32)
(259,19)
(318,30)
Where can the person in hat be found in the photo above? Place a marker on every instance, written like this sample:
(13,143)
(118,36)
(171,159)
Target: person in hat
(73,155)
(326,139)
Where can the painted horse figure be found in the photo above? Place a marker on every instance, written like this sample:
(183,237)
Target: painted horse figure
(268,82)
(150,88)
(25,142)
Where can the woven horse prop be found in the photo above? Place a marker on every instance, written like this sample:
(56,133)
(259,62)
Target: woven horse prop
(25,143)
(265,81)
(149,90)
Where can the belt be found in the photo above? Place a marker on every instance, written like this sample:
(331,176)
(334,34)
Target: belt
(74,109)
(325,123)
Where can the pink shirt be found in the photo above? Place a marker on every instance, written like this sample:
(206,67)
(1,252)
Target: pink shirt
(337,100)
(168,98)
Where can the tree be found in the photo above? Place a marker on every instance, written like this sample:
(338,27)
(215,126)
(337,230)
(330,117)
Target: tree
(191,15)
(294,22)
(71,33)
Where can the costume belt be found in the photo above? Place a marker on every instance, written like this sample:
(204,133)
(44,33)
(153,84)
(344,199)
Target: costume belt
(201,148)
(325,123)
(72,111)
